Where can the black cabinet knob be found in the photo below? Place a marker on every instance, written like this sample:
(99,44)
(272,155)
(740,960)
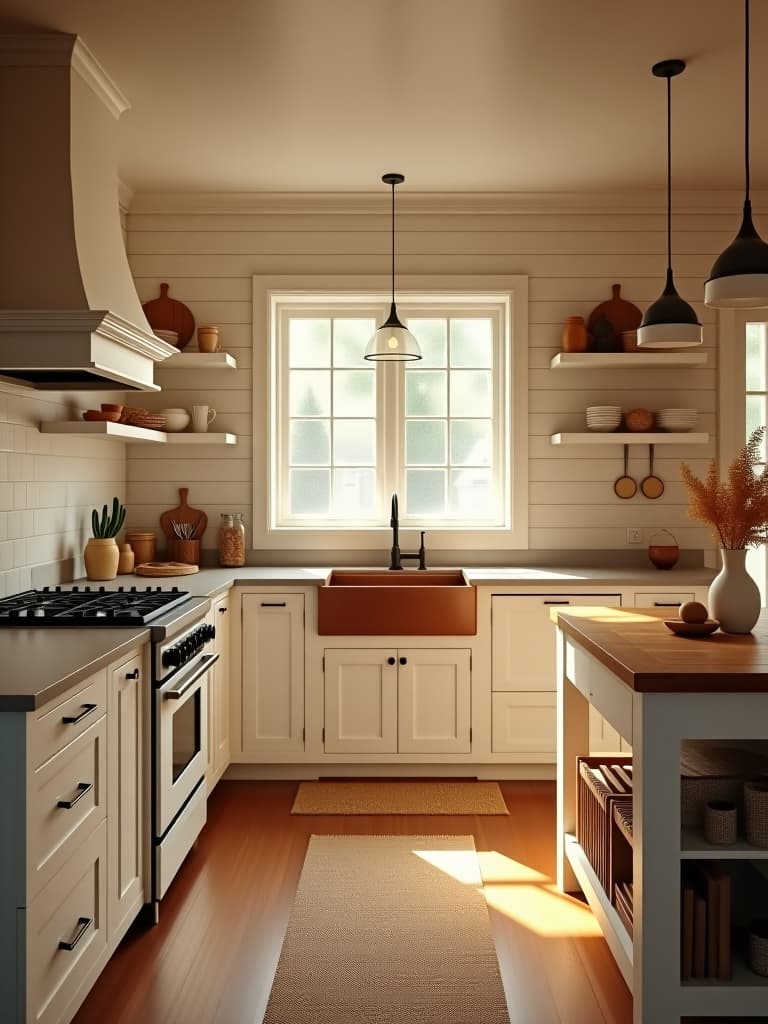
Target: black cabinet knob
(403,661)
(390,661)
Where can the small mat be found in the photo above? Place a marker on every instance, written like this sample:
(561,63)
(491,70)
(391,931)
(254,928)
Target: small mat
(388,929)
(399,798)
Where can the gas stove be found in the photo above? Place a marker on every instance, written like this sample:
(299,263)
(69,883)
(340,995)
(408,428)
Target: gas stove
(88,606)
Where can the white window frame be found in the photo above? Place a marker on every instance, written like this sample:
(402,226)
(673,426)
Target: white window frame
(269,290)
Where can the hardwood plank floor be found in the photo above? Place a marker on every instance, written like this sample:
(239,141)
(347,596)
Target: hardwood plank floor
(212,958)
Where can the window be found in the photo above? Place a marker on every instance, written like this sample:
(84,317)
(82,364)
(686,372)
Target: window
(442,432)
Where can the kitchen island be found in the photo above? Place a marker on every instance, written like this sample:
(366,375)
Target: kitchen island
(657,690)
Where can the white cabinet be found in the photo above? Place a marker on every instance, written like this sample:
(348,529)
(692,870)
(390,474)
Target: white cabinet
(397,701)
(218,695)
(523,723)
(272,684)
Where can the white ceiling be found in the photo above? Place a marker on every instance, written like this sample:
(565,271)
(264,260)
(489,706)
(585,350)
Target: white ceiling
(477,95)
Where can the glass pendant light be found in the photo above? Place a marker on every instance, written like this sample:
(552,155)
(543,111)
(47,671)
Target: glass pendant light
(392,341)
(739,277)
(670,322)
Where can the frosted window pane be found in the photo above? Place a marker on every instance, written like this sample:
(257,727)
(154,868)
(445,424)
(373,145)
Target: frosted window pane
(471,393)
(425,393)
(310,491)
(425,443)
(310,443)
(354,443)
(354,393)
(350,338)
(426,491)
(755,357)
(432,336)
(471,443)
(354,492)
(471,342)
(309,393)
(470,493)
(756,408)
(309,342)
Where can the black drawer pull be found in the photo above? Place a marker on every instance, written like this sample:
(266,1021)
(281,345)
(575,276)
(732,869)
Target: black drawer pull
(557,602)
(82,928)
(271,604)
(222,610)
(82,789)
(74,719)
(667,604)
(132,675)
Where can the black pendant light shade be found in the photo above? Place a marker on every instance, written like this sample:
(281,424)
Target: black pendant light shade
(392,341)
(739,277)
(670,322)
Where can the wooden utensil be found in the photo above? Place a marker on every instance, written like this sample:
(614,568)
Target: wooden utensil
(652,486)
(622,315)
(183,513)
(625,486)
(165,569)
(167,314)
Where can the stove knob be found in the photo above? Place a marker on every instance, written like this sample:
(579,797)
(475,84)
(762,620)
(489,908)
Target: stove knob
(172,657)
(211,632)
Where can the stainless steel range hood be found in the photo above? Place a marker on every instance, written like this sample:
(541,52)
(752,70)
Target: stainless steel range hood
(70,318)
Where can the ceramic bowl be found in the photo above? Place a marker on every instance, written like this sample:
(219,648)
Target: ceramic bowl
(175,419)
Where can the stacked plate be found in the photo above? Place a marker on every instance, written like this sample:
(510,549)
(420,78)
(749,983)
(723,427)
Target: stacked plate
(603,417)
(677,420)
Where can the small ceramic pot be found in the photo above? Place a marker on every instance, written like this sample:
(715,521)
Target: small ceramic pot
(208,339)
(575,337)
(101,557)
(663,555)
(175,419)
(126,560)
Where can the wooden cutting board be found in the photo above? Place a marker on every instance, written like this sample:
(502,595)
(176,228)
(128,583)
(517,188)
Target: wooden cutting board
(183,513)
(622,315)
(165,569)
(167,314)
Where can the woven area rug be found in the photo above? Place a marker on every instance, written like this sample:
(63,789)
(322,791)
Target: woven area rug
(391,930)
(399,798)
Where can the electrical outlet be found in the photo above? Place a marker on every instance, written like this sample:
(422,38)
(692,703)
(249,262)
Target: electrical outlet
(634,536)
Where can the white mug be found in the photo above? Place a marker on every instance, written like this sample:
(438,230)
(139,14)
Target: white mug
(202,417)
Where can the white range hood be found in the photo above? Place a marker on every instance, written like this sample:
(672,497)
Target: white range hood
(70,318)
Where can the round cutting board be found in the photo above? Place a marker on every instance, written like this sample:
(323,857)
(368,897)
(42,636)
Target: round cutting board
(167,314)
(620,314)
(165,569)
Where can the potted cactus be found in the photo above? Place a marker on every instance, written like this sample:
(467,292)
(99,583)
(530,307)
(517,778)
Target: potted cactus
(101,553)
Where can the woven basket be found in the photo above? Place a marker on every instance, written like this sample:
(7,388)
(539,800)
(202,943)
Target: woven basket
(720,822)
(756,813)
(758,947)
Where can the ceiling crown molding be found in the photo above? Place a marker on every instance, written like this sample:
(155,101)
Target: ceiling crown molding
(94,75)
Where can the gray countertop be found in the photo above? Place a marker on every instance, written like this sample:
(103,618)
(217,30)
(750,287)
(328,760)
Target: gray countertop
(39,664)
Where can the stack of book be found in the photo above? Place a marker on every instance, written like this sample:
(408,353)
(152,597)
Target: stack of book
(706,921)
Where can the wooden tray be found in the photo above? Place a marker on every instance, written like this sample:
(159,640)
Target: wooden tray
(183,513)
(165,569)
(167,314)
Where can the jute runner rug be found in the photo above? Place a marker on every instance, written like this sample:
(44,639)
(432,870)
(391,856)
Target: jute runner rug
(388,930)
(399,798)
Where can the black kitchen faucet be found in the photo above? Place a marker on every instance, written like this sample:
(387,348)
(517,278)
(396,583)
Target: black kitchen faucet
(396,556)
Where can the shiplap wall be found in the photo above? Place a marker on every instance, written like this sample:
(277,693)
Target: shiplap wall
(572,253)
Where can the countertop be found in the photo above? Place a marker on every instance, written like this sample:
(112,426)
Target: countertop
(636,646)
(39,664)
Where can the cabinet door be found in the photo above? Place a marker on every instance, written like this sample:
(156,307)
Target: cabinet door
(128,687)
(524,723)
(360,701)
(523,637)
(273,673)
(434,701)
(218,696)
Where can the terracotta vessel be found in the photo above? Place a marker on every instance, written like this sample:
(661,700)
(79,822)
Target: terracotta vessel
(575,337)
(101,557)
(126,560)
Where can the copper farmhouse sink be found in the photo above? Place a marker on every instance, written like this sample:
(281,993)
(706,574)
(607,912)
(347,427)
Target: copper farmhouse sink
(380,602)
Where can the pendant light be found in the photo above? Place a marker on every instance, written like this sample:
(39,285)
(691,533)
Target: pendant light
(392,341)
(739,277)
(670,322)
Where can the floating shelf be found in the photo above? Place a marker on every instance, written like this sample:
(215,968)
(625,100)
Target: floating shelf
(623,360)
(693,845)
(199,361)
(135,435)
(628,437)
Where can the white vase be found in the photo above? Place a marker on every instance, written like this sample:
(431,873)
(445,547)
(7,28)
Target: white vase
(734,597)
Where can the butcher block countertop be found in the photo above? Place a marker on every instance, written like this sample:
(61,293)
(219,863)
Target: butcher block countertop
(636,646)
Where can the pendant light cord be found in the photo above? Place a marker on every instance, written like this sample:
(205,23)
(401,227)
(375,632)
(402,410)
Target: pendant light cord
(393,243)
(669,174)
(746,100)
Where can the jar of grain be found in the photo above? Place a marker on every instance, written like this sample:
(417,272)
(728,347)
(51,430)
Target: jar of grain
(231,539)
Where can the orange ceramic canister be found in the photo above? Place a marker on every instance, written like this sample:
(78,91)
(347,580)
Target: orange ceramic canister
(143,543)
(575,337)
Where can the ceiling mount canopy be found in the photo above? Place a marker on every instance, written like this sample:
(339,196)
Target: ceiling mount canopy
(739,276)
(670,322)
(392,341)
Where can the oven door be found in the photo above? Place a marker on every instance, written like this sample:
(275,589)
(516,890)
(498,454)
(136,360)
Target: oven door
(181,753)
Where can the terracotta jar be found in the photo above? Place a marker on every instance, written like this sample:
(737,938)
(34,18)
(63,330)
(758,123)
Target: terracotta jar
(143,544)
(575,337)
(101,557)
(127,560)
(208,339)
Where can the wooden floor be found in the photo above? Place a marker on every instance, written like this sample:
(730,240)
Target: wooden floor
(212,958)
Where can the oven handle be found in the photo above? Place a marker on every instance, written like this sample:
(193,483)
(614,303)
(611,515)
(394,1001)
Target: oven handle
(202,668)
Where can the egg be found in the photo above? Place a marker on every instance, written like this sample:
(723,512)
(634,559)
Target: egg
(693,611)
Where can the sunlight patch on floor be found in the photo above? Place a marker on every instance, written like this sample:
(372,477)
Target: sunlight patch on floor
(544,910)
(498,868)
(459,864)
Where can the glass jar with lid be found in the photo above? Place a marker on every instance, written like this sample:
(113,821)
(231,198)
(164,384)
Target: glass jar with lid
(231,539)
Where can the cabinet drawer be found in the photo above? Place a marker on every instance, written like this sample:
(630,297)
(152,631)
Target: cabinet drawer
(76,775)
(662,598)
(70,909)
(524,723)
(53,728)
